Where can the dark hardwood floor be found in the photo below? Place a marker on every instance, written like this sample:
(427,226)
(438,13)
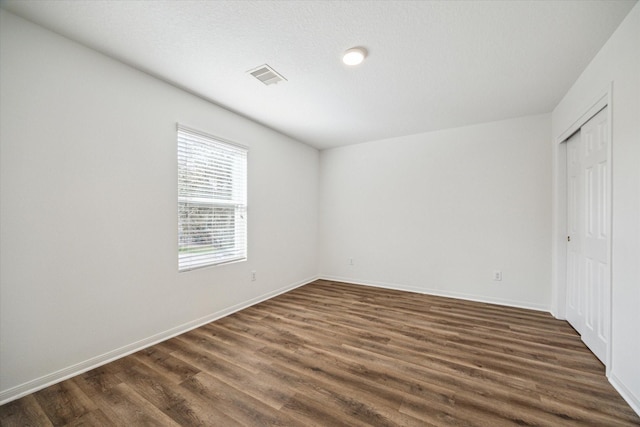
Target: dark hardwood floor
(334,354)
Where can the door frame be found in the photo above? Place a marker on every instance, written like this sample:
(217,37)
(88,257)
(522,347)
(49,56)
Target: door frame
(560,211)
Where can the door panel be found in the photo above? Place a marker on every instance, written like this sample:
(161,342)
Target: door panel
(575,220)
(596,238)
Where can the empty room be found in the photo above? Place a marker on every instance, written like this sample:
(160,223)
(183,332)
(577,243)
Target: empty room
(297,213)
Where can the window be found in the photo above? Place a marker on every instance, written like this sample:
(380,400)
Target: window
(212,200)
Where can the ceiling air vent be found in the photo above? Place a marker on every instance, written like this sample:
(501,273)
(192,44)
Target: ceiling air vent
(266,75)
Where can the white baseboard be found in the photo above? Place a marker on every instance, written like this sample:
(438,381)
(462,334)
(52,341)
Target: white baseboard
(79,368)
(626,394)
(440,293)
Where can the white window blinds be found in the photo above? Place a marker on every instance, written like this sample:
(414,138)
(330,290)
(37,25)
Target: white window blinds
(212,200)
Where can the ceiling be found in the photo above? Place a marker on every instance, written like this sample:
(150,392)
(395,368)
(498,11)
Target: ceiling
(431,65)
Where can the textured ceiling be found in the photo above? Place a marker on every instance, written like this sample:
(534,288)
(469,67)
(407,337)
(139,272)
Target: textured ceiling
(431,64)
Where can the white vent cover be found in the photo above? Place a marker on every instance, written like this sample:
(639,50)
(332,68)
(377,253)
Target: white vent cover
(266,75)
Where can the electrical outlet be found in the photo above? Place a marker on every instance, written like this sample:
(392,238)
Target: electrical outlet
(350,261)
(497,275)
(253,276)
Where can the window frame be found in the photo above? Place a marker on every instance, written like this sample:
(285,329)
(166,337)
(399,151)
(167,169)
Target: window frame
(211,193)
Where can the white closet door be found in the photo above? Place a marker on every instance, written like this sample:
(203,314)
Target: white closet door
(595,333)
(575,223)
(588,223)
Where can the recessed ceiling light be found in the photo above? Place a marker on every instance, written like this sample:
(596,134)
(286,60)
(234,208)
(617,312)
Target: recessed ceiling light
(354,56)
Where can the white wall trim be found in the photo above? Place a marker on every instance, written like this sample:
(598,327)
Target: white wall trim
(626,394)
(559,233)
(559,224)
(598,105)
(32,386)
(440,293)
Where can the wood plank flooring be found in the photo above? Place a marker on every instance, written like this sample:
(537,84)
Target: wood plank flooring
(335,354)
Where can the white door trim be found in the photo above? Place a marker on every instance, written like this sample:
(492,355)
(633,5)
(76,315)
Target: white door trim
(559,226)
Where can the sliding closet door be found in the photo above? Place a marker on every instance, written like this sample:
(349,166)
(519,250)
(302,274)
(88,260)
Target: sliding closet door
(588,267)
(596,252)
(575,223)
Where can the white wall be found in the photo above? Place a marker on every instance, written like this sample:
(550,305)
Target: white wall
(88,210)
(618,62)
(439,212)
